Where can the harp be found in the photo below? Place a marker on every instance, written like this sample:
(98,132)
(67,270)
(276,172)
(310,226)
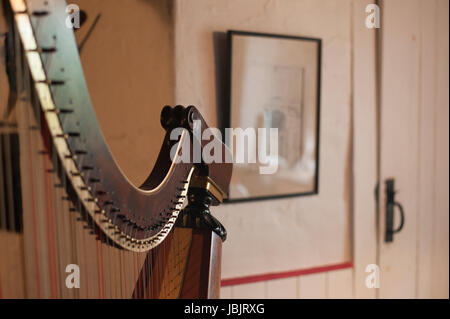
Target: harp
(71,223)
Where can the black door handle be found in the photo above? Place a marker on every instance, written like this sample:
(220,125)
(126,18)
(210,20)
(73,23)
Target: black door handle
(390,207)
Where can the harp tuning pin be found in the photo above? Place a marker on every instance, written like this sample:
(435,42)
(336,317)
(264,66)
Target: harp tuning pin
(40,13)
(192,116)
(57,82)
(73,134)
(68,134)
(167,119)
(76,173)
(48,50)
(71,156)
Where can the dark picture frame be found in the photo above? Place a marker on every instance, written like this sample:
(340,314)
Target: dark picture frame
(228,122)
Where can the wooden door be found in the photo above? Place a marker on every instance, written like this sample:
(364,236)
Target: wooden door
(414,133)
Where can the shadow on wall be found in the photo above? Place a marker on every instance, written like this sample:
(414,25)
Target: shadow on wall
(222,78)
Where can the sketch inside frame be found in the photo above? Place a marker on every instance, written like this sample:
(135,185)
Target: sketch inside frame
(274,84)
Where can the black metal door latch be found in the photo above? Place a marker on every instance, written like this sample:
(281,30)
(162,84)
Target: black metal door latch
(390,205)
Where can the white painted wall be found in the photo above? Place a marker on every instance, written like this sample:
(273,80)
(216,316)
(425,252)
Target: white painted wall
(285,234)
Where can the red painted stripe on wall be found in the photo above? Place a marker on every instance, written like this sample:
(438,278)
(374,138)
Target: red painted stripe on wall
(285,274)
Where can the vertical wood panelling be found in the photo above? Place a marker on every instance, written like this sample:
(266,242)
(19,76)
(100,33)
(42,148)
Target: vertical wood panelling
(440,264)
(399,142)
(282,288)
(340,284)
(250,291)
(364,149)
(226,292)
(313,286)
(414,148)
(426,185)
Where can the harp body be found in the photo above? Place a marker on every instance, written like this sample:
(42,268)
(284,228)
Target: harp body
(72,225)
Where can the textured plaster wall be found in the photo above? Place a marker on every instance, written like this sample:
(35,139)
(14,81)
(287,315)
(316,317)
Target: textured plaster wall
(282,234)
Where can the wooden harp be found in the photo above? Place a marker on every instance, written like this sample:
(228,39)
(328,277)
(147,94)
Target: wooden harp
(72,225)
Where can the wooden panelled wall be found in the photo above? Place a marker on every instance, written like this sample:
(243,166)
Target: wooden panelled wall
(336,284)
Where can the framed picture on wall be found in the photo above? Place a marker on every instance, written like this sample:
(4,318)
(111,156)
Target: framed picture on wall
(274,84)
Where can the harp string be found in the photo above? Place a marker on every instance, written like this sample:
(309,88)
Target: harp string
(58,228)
(24,93)
(163,260)
(135,257)
(50,201)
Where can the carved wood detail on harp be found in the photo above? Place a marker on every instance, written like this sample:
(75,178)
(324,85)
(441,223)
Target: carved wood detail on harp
(145,245)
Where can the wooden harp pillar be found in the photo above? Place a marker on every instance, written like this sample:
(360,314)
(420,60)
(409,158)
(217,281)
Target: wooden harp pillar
(203,267)
(202,274)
